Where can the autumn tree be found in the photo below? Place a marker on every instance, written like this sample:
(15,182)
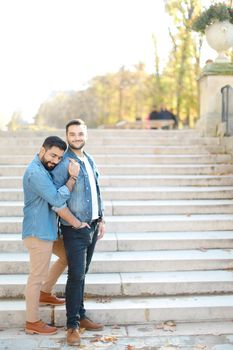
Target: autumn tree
(183,66)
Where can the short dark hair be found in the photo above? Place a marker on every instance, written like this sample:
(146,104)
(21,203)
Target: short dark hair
(74,122)
(54,141)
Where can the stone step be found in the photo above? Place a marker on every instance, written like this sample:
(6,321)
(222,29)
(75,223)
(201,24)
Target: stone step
(174,169)
(186,335)
(164,180)
(146,223)
(144,207)
(151,207)
(126,149)
(100,132)
(136,261)
(134,283)
(133,310)
(179,140)
(203,240)
(139,159)
(143,193)
(143,180)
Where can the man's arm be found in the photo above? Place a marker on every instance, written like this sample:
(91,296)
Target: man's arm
(66,215)
(59,175)
(43,186)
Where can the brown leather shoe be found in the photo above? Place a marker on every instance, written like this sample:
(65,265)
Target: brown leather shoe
(39,327)
(73,336)
(51,299)
(90,325)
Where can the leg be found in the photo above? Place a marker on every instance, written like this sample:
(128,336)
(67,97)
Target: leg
(90,252)
(76,243)
(57,268)
(85,322)
(40,254)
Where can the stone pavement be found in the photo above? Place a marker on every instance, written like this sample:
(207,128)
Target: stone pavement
(160,336)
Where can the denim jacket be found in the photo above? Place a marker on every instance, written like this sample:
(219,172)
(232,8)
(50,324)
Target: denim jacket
(40,194)
(80,201)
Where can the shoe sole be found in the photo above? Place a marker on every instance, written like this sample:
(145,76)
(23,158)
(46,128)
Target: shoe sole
(73,344)
(30,331)
(93,329)
(44,303)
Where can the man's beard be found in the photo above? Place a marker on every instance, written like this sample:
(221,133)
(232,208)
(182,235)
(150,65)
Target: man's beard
(47,167)
(75,147)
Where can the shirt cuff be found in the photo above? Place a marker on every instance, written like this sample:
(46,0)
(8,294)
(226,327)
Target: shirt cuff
(57,209)
(64,190)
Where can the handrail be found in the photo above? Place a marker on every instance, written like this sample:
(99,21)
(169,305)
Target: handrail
(227,108)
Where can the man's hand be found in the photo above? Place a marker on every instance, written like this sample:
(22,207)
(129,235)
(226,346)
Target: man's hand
(73,167)
(102,229)
(82,225)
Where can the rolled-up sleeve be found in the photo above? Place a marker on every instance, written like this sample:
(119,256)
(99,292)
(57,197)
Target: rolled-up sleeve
(43,185)
(60,174)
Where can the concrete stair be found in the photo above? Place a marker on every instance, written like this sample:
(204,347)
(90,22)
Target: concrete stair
(168,251)
(144,159)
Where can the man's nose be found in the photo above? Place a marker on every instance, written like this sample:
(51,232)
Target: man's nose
(56,160)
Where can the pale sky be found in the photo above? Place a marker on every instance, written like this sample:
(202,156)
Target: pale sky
(49,45)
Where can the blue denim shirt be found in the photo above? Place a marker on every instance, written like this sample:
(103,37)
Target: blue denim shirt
(80,201)
(40,194)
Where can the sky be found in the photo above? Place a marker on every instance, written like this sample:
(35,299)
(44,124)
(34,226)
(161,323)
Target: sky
(52,45)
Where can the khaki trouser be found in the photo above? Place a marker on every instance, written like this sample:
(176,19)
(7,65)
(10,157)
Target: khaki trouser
(40,276)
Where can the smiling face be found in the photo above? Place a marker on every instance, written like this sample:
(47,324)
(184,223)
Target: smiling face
(76,137)
(50,157)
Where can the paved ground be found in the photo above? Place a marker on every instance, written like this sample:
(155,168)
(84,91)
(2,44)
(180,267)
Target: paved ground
(163,336)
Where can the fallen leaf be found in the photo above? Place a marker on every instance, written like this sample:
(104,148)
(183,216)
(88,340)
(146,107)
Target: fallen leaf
(130,347)
(200,347)
(103,300)
(106,339)
(116,326)
(203,249)
(96,339)
(169,326)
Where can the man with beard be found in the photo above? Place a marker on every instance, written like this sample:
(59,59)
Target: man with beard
(40,229)
(86,205)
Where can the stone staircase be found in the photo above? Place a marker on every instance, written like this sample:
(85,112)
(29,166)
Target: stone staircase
(168,251)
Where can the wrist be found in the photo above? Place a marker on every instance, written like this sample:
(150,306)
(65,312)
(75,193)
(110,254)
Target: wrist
(102,220)
(73,177)
(78,226)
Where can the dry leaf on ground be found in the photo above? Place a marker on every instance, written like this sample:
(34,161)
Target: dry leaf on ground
(200,347)
(106,339)
(130,347)
(115,326)
(103,300)
(169,326)
(203,249)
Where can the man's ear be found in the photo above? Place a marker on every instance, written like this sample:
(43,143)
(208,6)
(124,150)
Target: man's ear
(42,151)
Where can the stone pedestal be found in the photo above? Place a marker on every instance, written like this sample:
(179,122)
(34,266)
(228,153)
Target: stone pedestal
(213,77)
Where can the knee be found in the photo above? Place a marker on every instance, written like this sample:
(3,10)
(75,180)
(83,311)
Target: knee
(63,261)
(76,275)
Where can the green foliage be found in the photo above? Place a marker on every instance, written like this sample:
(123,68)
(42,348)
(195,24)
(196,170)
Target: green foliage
(182,69)
(130,93)
(216,12)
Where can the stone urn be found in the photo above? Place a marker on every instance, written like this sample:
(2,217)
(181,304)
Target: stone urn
(219,36)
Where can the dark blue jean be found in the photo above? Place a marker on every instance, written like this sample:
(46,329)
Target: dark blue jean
(79,245)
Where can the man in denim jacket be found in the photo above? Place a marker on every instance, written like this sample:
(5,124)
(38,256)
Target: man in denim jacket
(40,229)
(86,205)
